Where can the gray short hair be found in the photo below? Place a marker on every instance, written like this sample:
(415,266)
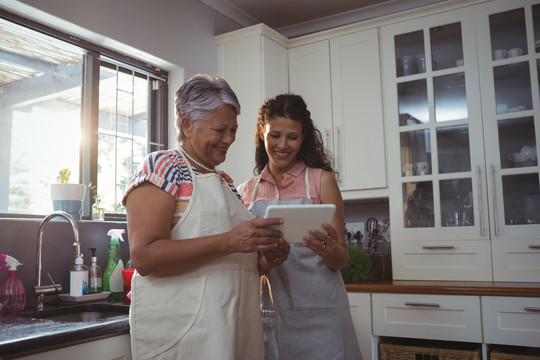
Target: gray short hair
(199,95)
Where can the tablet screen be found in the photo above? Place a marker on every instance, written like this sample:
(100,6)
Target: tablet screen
(299,219)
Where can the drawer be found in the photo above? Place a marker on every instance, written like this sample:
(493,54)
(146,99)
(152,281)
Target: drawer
(456,260)
(516,260)
(437,317)
(511,320)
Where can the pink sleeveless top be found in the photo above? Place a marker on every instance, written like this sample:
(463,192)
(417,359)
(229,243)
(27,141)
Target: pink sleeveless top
(292,187)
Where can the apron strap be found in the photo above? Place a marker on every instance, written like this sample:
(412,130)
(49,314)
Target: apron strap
(306,180)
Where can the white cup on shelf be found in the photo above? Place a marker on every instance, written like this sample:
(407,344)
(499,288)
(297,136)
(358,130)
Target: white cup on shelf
(499,54)
(515,52)
(502,108)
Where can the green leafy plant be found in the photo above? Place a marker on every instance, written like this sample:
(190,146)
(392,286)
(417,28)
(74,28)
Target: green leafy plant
(63,176)
(359,268)
(95,195)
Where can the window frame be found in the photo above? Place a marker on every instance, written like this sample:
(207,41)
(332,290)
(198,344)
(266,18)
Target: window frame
(94,57)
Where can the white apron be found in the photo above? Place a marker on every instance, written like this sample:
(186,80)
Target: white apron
(304,304)
(211,312)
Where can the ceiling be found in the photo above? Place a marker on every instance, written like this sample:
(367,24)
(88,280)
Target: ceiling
(298,17)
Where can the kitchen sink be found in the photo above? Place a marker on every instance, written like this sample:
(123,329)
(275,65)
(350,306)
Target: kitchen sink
(96,312)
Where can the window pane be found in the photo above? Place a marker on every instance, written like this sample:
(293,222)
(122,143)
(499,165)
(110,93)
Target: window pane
(413,103)
(457,202)
(521,199)
(446,45)
(450,97)
(453,149)
(123,130)
(40,117)
(418,204)
(415,153)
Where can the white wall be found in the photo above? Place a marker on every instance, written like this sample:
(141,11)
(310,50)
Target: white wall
(175,35)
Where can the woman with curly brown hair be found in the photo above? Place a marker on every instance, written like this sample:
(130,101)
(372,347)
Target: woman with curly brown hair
(305,308)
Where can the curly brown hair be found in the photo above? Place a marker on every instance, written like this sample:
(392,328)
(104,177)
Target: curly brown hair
(312,151)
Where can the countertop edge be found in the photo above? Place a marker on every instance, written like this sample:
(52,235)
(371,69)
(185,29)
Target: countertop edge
(449,288)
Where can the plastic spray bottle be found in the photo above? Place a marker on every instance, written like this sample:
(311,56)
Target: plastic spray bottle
(78,278)
(95,278)
(12,295)
(112,278)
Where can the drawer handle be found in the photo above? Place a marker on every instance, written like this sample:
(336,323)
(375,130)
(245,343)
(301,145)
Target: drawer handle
(532,308)
(430,305)
(439,247)
(534,246)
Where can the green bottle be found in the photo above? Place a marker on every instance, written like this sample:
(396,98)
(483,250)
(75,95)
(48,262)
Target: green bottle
(112,278)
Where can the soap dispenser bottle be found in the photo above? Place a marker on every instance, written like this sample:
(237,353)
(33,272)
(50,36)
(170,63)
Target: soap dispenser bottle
(12,295)
(112,278)
(78,278)
(95,278)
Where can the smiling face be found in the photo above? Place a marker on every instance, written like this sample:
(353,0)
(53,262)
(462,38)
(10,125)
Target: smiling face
(282,140)
(209,141)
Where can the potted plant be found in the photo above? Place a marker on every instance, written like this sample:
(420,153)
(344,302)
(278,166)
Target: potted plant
(67,197)
(359,268)
(98,212)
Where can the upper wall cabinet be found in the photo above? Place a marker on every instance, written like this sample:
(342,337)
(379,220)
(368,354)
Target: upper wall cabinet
(462,124)
(339,78)
(254,63)
(510,64)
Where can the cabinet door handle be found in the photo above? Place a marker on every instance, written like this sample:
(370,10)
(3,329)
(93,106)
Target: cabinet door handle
(338,153)
(480,201)
(328,144)
(532,308)
(439,247)
(534,247)
(429,305)
(495,202)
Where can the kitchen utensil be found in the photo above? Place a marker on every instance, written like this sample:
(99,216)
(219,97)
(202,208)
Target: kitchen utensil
(371,229)
(385,225)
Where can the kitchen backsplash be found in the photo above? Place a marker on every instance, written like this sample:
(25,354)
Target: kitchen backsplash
(18,238)
(358,212)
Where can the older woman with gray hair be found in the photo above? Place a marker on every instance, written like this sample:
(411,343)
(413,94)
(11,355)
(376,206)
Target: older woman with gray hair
(197,250)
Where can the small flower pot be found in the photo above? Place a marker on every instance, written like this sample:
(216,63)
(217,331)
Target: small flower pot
(68,198)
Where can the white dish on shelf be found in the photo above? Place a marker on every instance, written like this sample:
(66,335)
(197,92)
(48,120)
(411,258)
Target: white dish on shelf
(82,298)
(525,163)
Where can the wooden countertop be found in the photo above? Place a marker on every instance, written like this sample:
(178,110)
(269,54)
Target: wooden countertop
(449,288)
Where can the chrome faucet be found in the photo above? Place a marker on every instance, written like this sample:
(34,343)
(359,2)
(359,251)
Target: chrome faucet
(54,288)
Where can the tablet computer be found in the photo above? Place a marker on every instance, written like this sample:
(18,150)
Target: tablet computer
(299,219)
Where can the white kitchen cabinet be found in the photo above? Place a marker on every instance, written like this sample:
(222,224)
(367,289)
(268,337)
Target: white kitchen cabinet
(116,347)
(511,320)
(309,77)
(453,191)
(340,81)
(360,304)
(254,62)
(436,317)
(511,121)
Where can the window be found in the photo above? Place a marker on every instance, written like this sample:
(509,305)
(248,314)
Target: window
(65,103)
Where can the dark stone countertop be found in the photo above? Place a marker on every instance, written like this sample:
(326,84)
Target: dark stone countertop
(21,335)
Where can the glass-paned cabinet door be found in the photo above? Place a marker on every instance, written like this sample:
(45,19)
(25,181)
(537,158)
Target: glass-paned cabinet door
(436,127)
(510,72)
